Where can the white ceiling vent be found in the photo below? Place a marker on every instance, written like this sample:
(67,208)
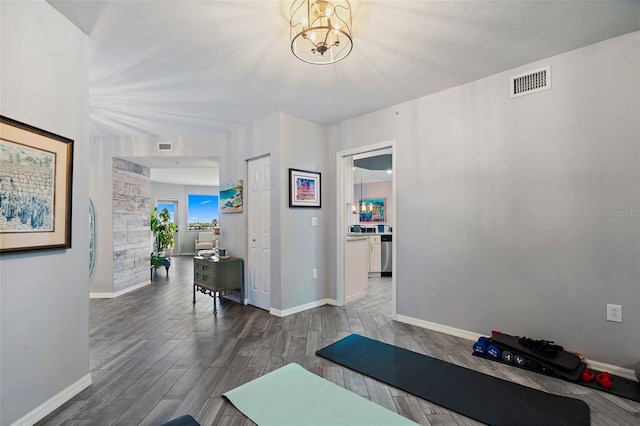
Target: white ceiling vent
(530,82)
(165,146)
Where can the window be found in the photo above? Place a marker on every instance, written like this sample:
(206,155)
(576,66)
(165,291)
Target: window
(203,212)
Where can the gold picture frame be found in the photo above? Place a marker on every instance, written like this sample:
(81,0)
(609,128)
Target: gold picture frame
(36,177)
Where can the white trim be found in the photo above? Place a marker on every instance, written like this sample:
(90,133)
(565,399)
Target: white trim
(118,293)
(469,335)
(54,403)
(613,369)
(439,327)
(301,308)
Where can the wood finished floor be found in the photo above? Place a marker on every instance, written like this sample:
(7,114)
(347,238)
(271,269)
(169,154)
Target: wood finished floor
(154,356)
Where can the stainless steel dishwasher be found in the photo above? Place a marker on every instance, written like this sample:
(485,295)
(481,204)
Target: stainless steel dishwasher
(386,244)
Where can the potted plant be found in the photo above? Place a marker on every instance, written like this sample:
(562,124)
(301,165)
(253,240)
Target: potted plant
(163,240)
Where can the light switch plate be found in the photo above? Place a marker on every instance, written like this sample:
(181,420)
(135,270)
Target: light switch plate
(314,221)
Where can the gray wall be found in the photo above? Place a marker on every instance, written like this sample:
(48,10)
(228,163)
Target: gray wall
(304,247)
(186,239)
(521,202)
(44,309)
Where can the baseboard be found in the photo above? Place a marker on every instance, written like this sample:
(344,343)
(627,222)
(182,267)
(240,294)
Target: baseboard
(613,369)
(355,296)
(300,308)
(119,293)
(54,403)
(469,335)
(452,331)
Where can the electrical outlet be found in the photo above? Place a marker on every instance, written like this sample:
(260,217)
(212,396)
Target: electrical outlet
(314,273)
(614,313)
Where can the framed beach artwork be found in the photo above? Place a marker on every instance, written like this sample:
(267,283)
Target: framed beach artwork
(36,171)
(372,210)
(231,197)
(304,188)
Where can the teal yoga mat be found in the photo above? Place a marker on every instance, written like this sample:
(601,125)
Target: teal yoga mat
(292,395)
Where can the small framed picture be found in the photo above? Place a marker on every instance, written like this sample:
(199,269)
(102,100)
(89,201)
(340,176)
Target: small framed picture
(304,188)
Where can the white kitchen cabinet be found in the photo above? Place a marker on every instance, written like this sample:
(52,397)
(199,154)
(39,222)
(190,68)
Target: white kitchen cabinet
(375,254)
(356,265)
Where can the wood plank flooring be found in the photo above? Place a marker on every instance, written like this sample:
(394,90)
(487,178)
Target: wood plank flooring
(154,356)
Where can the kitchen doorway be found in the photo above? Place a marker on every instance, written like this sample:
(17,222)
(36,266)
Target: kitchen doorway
(366,211)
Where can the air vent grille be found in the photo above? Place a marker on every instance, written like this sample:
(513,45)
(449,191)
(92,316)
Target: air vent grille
(165,146)
(530,82)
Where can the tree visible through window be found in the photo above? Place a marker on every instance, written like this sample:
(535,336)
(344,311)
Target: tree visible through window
(203,212)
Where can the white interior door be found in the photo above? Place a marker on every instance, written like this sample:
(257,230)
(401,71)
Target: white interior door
(259,232)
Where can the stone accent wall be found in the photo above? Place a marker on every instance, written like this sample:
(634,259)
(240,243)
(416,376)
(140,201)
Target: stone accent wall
(131,234)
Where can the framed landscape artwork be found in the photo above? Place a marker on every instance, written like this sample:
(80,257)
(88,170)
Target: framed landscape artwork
(36,171)
(304,188)
(231,197)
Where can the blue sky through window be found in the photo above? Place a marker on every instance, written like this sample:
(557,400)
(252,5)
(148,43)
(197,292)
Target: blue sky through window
(202,208)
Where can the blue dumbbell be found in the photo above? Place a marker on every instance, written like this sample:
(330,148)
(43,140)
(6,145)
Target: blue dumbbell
(494,352)
(480,347)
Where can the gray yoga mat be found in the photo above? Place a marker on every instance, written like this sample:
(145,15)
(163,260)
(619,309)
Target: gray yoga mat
(482,397)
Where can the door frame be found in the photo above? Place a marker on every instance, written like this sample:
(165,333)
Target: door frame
(342,168)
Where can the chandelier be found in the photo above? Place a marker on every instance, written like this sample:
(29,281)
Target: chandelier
(321,30)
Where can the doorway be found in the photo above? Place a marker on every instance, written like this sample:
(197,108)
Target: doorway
(354,199)
(259,232)
(172,207)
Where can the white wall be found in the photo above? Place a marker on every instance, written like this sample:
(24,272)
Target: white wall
(512,199)
(44,309)
(165,191)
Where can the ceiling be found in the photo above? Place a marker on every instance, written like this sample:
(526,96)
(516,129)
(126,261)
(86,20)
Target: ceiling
(374,166)
(192,67)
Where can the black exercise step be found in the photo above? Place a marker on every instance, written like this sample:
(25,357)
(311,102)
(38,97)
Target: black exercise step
(565,361)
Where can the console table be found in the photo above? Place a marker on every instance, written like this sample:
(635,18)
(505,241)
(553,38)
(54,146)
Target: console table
(212,276)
